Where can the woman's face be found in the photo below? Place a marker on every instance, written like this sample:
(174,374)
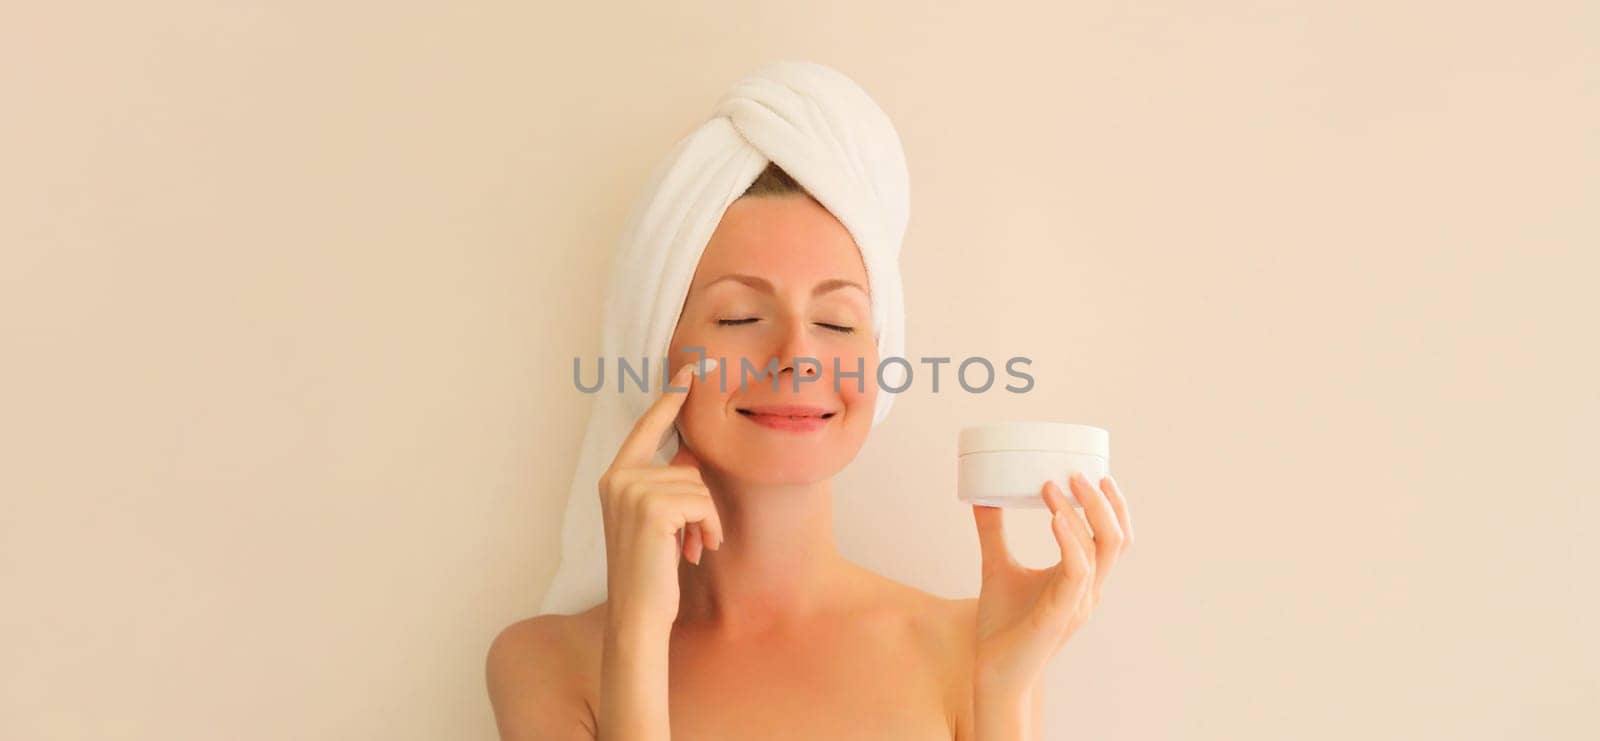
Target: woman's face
(780,279)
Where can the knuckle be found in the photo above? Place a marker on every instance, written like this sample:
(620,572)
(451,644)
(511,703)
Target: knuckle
(1078,592)
(635,492)
(617,478)
(652,507)
(1065,601)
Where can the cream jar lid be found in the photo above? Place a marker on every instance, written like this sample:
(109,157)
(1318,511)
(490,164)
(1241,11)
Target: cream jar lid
(1029,435)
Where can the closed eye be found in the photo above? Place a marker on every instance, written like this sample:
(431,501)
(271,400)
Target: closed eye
(834,327)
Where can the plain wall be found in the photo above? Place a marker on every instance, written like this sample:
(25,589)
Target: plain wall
(289,294)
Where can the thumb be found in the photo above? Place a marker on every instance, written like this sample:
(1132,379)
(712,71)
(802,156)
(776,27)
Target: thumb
(991,536)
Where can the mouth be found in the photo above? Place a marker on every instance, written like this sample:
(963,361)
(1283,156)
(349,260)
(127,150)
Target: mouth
(788,417)
(785,410)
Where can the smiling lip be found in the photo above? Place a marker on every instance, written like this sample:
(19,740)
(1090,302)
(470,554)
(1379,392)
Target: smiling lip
(787,417)
(787,410)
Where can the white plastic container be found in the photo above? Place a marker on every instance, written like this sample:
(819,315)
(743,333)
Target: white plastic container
(1006,464)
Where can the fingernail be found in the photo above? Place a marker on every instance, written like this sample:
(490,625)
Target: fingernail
(708,366)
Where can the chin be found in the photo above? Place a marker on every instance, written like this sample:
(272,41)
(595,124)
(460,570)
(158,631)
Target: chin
(791,466)
(779,462)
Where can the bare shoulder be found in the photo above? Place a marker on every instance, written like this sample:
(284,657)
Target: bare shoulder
(952,624)
(946,631)
(957,629)
(926,611)
(961,615)
(949,625)
(537,671)
(943,630)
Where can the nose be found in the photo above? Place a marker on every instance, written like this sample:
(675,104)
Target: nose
(795,347)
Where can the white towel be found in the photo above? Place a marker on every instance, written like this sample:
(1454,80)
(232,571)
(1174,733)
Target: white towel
(827,133)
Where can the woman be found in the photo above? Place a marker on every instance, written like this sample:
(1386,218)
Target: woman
(763,629)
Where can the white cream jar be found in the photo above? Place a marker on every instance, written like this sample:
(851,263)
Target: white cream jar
(1006,464)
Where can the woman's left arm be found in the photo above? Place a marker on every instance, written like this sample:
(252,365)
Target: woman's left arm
(1005,713)
(1026,615)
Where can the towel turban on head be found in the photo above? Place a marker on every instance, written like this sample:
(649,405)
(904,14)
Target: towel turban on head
(833,139)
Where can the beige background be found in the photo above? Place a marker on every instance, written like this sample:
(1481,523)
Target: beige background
(290,292)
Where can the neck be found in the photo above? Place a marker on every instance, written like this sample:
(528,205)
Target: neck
(779,561)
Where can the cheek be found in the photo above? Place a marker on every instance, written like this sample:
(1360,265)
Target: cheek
(703,411)
(860,397)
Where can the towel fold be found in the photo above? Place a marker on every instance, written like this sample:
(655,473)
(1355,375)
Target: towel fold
(827,133)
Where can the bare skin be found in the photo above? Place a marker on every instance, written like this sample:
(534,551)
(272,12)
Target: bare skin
(896,665)
(731,612)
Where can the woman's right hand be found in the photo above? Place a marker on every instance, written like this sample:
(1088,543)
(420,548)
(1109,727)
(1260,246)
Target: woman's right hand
(644,507)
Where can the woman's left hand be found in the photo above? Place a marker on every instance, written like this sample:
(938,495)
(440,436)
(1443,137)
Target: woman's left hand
(1026,615)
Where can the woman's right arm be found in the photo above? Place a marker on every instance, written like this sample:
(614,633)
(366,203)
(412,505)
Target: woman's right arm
(633,684)
(644,507)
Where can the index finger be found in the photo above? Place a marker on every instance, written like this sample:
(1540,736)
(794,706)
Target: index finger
(645,437)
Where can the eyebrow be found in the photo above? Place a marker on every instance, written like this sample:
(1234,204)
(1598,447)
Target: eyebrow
(761,284)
